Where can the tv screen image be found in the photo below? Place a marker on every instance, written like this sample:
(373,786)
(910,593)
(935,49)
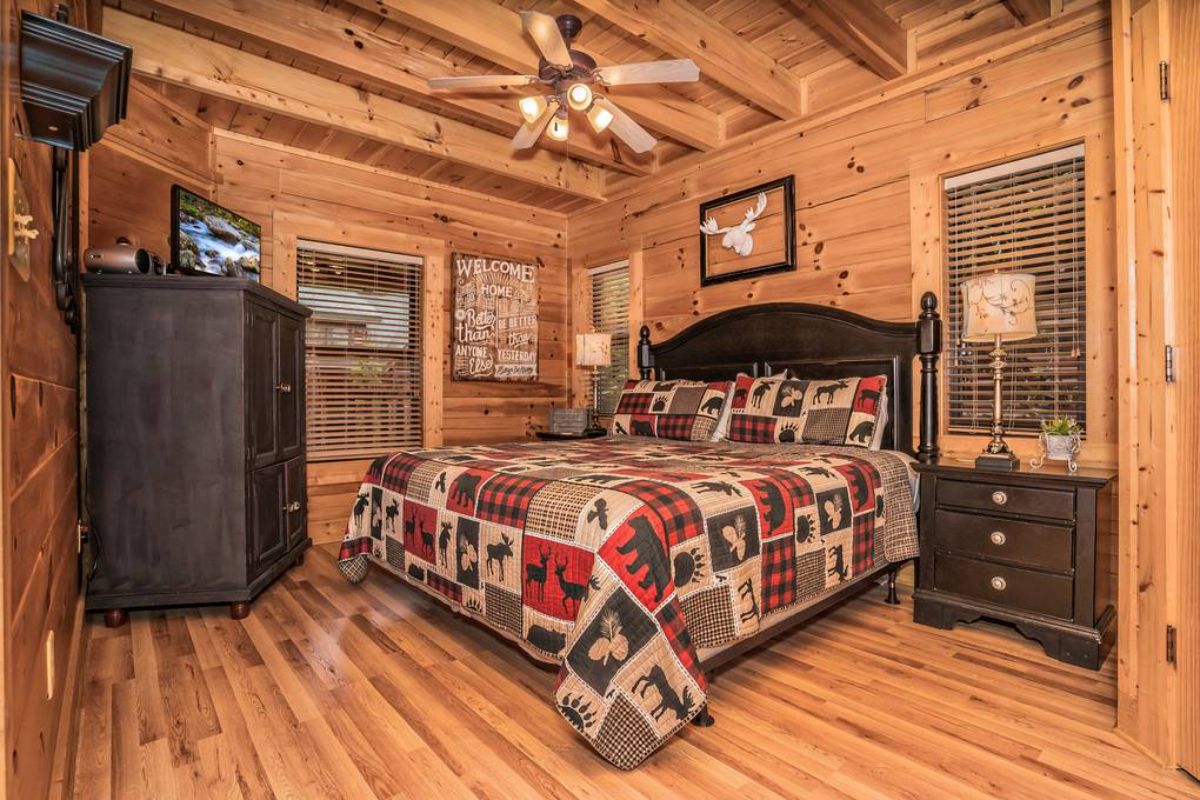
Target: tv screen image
(212,240)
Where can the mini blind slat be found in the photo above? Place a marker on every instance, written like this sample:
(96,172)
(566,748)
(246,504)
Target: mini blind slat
(363,350)
(610,314)
(1030,219)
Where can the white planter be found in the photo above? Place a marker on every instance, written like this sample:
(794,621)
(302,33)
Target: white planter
(1059,447)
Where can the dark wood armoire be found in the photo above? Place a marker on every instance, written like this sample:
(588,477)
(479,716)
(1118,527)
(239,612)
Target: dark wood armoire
(195,440)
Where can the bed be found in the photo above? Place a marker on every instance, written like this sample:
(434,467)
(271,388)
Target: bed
(638,564)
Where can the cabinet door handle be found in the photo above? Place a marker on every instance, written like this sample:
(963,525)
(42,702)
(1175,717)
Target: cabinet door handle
(1000,498)
(283,388)
(999,584)
(292,507)
(998,538)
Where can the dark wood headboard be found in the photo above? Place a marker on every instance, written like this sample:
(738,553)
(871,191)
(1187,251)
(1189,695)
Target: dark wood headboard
(814,342)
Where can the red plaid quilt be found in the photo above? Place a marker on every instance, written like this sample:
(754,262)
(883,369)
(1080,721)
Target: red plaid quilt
(618,558)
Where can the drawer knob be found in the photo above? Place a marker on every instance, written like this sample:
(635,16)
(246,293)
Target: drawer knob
(999,584)
(1000,498)
(283,388)
(292,507)
(998,538)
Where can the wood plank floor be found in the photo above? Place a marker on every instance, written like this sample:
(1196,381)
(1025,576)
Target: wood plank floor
(330,690)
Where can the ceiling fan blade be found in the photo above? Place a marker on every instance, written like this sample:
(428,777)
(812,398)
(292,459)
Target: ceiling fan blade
(530,131)
(544,31)
(480,81)
(682,70)
(628,131)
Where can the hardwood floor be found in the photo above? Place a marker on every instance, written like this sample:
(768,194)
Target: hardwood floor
(331,690)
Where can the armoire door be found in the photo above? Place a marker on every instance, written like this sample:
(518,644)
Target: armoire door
(296,507)
(267,538)
(262,385)
(290,387)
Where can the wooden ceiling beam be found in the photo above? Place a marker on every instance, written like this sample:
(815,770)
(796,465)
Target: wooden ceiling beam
(684,31)
(328,41)
(493,32)
(865,29)
(179,58)
(1028,12)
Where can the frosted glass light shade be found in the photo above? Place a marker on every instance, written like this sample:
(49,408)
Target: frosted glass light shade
(559,129)
(579,96)
(532,107)
(1001,304)
(600,117)
(593,349)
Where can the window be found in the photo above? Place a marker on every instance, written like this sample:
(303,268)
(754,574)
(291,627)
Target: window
(1023,216)
(363,349)
(610,314)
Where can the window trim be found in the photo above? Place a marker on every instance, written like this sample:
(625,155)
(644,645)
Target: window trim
(592,273)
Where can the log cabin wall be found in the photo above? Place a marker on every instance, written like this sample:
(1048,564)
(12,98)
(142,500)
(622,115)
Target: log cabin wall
(868,199)
(293,194)
(39,438)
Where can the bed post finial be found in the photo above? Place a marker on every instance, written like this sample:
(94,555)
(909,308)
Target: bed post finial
(645,358)
(929,327)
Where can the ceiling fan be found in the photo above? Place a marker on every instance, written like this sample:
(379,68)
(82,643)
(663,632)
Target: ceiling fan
(569,76)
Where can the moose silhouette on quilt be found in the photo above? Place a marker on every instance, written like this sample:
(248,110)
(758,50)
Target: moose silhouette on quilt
(618,558)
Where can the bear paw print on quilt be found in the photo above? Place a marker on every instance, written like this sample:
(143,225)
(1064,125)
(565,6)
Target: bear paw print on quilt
(844,411)
(678,409)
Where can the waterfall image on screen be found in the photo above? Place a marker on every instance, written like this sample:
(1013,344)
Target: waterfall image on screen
(213,240)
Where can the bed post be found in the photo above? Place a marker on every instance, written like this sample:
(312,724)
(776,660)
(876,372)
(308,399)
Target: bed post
(929,328)
(645,359)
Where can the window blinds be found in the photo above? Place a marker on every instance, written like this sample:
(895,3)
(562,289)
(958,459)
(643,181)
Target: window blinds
(610,314)
(1024,216)
(363,349)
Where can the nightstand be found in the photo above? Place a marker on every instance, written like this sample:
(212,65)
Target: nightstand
(549,436)
(1035,548)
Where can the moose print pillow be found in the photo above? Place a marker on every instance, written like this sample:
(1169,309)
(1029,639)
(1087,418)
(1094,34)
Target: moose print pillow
(845,411)
(678,409)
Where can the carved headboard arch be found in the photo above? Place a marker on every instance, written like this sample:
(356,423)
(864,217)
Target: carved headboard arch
(814,342)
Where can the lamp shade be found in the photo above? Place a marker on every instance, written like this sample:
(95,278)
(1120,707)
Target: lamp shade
(1001,304)
(593,349)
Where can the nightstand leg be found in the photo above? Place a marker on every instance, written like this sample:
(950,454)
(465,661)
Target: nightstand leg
(892,599)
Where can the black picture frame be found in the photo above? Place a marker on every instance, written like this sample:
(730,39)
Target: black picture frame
(788,264)
(177,191)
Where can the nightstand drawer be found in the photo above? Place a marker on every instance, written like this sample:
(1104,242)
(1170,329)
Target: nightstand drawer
(1047,547)
(1012,587)
(1007,499)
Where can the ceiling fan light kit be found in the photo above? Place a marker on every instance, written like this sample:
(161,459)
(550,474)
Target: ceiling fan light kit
(570,77)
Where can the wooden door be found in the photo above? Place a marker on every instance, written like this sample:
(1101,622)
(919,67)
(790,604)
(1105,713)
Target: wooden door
(267,537)
(290,387)
(262,406)
(1184,84)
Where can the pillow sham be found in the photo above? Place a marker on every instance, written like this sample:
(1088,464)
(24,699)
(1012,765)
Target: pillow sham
(676,409)
(722,429)
(845,411)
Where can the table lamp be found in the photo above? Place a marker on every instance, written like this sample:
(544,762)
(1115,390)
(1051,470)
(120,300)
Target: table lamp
(999,308)
(594,350)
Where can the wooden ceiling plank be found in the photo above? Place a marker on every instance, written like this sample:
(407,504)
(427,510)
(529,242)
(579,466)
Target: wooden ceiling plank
(347,49)
(1028,12)
(684,31)
(865,29)
(495,33)
(176,57)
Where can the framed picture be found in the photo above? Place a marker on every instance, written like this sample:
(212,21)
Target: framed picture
(749,233)
(495,319)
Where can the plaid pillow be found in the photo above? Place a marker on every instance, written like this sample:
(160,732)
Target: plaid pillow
(686,410)
(842,412)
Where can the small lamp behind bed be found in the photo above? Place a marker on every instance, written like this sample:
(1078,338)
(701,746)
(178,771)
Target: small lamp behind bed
(594,350)
(999,308)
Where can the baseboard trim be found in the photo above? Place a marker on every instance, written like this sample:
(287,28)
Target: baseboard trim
(62,776)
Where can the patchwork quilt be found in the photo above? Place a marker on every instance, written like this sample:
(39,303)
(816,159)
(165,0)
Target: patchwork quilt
(618,558)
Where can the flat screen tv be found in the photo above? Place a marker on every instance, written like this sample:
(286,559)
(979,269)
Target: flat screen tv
(207,239)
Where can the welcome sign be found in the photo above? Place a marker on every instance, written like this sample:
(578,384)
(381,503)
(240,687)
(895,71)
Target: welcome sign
(495,319)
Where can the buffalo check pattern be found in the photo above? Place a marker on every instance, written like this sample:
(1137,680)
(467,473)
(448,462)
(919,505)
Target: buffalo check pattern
(682,410)
(617,558)
(845,411)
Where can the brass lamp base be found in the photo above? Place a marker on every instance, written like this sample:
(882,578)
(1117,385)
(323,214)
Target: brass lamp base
(1007,462)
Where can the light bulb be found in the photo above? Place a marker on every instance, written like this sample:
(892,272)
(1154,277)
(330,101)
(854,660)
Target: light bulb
(532,107)
(558,129)
(600,117)
(579,96)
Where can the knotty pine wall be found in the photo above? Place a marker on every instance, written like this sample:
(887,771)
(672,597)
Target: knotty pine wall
(39,475)
(276,186)
(868,210)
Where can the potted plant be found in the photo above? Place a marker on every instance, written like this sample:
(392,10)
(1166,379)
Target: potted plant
(1060,442)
